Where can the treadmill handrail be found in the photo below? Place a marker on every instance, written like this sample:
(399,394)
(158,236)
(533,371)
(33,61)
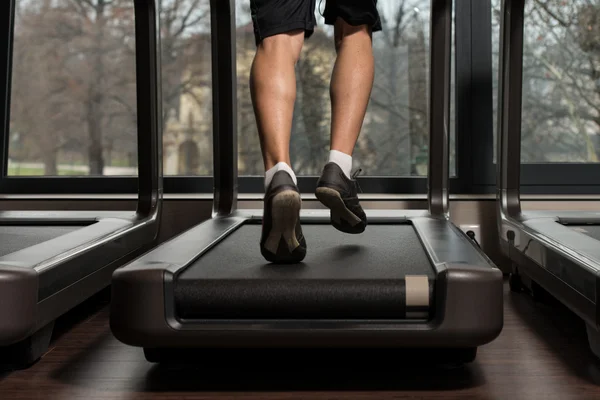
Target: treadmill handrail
(439,106)
(510,81)
(149,108)
(225,107)
(224,80)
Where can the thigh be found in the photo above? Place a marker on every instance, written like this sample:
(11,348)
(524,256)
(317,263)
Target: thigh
(272,17)
(353,12)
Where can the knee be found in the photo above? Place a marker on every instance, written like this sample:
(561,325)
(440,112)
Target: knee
(344,32)
(284,44)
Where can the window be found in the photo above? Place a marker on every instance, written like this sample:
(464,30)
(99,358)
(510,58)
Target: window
(73,98)
(73,108)
(395,135)
(187,87)
(561,81)
(73,89)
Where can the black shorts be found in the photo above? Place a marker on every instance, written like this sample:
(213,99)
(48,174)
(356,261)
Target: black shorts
(272,17)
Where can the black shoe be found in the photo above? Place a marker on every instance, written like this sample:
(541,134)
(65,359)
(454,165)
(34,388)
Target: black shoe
(282,240)
(340,195)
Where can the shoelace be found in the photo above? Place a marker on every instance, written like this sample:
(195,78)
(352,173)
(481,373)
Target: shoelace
(354,176)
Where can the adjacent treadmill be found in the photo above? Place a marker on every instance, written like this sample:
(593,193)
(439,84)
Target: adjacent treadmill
(412,280)
(558,252)
(52,261)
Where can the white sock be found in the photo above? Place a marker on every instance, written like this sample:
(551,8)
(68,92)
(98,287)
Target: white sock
(343,160)
(275,169)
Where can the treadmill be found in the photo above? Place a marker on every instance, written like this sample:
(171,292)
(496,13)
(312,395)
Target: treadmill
(551,252)
(50,261)
(412,280)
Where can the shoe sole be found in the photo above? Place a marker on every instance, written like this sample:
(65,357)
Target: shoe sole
(285,212)
(332,199)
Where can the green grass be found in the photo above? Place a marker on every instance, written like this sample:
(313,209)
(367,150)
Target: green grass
(40,172)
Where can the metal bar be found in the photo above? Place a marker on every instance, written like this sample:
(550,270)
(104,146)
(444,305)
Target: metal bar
(253,184)
(439,106)
(510,81)
(463,96)
(224,106)
(192,185)
(7,19)
(149,107)
(481,113)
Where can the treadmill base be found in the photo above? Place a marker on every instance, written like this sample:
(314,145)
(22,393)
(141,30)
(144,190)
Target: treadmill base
(27,352)
(316,358)
(521,282)
(514,282)
(593,339)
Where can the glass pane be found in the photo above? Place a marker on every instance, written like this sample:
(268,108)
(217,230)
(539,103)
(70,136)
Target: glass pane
(73,106)
(73,89)
(496,4)
(187,87)
(561,81)
(395,134)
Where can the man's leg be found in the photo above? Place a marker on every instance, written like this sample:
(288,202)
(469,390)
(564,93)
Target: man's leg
(350,90)
(280,29)
(351,84)
(273,89)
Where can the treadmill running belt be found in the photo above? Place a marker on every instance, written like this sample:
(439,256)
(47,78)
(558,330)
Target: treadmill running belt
(15,238)
(342,276)
(590,230)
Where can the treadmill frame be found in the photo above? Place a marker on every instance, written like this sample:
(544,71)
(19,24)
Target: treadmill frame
(544,251)
(88,255)
(142,306)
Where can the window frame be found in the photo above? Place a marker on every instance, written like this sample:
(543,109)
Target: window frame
(536,178)
(475,169)
(7,13)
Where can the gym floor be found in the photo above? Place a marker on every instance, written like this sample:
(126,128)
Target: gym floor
(542,353)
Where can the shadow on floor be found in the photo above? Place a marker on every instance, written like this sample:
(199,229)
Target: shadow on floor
(60,327)
(105,359)
(561,330)
(308,378)
(84,311)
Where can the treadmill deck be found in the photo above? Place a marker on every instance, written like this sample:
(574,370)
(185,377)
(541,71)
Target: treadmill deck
(592,231)
(14,238)
(342,276)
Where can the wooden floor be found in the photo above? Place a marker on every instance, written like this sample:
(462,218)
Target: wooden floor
(542,353)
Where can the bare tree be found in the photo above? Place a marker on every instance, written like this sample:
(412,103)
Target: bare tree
(561,94)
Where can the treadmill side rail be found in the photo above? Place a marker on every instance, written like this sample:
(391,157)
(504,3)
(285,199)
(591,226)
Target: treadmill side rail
(575,245)
(52,217)
(183,249)
(18,303)
(447,244)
